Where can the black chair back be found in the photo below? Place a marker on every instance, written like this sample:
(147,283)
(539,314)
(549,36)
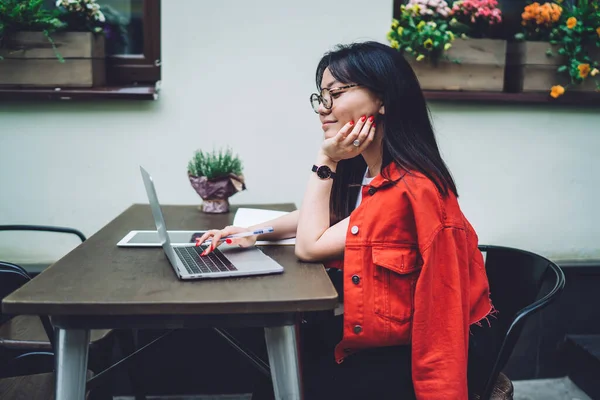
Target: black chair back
(44,228)
(521,283)
(12,277)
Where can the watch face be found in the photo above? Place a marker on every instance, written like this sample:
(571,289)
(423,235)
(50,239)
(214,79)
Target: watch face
(323,172)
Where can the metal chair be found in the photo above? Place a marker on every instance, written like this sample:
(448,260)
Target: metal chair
(28,375)
(521,284)
(25,334)
(29,333)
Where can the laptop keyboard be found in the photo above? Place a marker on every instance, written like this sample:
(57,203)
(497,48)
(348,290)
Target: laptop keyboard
(194,264)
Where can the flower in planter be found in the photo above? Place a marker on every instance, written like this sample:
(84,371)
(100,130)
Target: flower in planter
(584,70)
(32,15)
(429,7)
(424,29)
(577,40)
(539,20)
(82,15)
(572,30)
(479,15)
(26,15)
(557,91)
(216,176)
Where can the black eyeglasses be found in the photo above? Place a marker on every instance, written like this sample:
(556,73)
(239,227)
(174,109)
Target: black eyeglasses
(325,97)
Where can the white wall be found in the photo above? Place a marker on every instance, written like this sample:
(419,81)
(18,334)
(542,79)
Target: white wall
(239,73)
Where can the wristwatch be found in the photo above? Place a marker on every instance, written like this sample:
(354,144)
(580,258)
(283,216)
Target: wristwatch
(323,172)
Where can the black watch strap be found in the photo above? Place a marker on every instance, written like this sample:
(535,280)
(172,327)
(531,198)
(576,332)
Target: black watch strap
(323,172)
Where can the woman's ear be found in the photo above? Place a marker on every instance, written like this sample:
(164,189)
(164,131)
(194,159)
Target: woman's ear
(382,110)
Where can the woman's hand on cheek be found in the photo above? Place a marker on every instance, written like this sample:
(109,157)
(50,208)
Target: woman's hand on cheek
(351,140)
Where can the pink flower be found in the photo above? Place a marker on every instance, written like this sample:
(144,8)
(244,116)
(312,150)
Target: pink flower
(474,10)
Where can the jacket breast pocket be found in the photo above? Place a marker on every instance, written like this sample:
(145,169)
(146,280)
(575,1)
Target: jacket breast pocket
(395,276)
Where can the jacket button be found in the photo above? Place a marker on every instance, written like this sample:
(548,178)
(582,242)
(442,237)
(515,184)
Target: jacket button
(372,191)
(355,279)
(357,329)
(354,230)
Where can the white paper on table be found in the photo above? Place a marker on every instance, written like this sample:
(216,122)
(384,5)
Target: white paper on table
(245,217)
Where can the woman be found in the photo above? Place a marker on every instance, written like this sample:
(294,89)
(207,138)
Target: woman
(381,197)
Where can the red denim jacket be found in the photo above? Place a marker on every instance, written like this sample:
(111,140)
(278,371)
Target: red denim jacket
(413,275)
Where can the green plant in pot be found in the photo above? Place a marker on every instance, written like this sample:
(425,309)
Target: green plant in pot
(216,176)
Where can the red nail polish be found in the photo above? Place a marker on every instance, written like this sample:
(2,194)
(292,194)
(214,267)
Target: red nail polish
(228,241)
(371,118)
(363,118)
(351,123)
(374,124)
(203,253)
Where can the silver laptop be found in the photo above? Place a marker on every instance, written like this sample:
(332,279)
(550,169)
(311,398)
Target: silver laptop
(222,262)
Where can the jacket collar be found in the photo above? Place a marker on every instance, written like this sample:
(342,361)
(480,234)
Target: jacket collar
(389,175)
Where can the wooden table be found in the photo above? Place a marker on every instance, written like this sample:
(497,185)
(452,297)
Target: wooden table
(100,286)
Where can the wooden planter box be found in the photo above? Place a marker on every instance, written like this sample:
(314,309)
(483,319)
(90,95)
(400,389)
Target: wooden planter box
(537,71)
(481,68)
(29,60)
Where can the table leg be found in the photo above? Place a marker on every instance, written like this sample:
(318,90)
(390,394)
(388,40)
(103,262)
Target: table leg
(283,359)
(71,363)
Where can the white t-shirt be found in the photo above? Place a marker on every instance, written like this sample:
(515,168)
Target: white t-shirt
(339,310)
(365,182)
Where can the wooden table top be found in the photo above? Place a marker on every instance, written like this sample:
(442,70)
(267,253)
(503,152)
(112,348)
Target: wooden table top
(99,278)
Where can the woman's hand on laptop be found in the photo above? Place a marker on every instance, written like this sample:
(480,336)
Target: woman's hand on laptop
(217,237)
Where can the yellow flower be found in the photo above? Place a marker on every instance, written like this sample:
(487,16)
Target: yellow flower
(428,44)
(584,70)
(594,72)
(389,35)
(395,23)
(394,44)
(557,91)
(420,57)
(571,22)
(400,30)
(421,25)
(447,46)
(598,30)
(464,36)
(451,35)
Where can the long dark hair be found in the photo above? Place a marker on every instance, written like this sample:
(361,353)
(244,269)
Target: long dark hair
(408,138)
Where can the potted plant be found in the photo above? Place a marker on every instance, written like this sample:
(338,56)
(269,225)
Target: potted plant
(559,47)
(216,176)
(448,44)
(65,42)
